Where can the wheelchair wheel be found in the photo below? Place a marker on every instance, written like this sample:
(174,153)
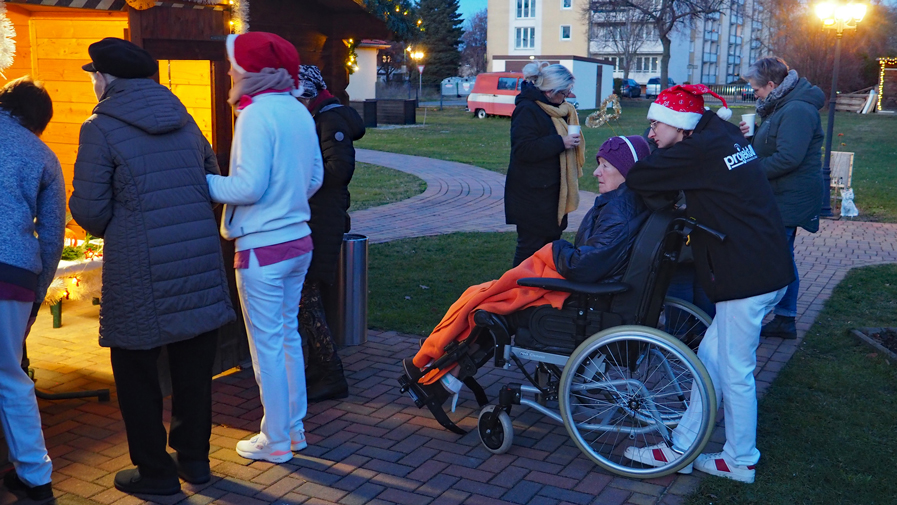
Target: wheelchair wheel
(497,439)
(684,321)
(629,386)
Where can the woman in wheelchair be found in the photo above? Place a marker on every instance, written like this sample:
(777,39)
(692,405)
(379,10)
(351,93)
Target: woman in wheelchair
(620,385)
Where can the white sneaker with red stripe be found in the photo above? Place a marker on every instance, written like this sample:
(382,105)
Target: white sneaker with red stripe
(655,455)
(716,464)
(257,448)
(298,442)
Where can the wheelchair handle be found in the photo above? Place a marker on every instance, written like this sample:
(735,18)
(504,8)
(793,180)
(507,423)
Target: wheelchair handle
(689,224)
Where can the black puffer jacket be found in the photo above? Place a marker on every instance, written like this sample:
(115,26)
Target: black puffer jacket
(604,240)
(337,128)
(788,144)
(533,185)
(140,183)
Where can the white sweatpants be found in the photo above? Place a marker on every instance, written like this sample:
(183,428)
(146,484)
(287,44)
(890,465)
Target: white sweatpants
(18,405)
(729,352)
(270,299)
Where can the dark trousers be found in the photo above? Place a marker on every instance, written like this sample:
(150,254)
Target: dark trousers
(530,241)
(140,398)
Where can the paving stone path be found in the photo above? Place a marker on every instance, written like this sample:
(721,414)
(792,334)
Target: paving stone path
(375,447)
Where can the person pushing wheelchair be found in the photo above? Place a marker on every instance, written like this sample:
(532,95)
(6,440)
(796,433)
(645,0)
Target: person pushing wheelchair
(701,153)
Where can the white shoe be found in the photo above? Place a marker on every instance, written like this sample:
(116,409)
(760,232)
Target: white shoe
(716,464)
(257,448)
(655,455)
(298,443)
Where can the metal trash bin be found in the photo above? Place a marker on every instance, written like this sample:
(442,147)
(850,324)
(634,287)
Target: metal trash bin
(346,302)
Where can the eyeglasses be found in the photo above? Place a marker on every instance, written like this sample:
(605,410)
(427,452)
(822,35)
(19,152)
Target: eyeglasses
(654,126)
(565,93)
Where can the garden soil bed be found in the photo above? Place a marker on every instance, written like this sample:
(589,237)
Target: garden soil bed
(882,339)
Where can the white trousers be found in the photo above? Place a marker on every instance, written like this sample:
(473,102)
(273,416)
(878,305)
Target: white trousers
(729,352)
(18,406)
(270,299)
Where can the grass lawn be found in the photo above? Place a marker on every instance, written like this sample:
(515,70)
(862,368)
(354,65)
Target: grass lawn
(455,135)
(827,425)
(374,185)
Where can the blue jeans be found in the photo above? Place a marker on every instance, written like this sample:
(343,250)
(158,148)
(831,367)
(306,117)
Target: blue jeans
(788,305)
(684,286)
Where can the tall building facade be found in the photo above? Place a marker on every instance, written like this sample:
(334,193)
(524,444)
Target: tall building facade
(536,27)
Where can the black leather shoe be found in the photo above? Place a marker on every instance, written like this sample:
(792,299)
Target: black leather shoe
(328,381)
(780,327)
(194,472)
(131,482)
(37,493)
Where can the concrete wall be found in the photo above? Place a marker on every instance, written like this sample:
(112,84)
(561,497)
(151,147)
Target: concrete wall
(363,83)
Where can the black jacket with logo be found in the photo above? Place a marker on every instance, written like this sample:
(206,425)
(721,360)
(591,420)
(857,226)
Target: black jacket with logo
(727,190)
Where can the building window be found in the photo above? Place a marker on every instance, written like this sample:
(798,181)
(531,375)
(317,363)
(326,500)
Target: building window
(526,8)
(526,38)
(566,4)
(565,32)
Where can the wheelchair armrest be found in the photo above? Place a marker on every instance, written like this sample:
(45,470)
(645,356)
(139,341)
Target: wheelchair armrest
(606,288)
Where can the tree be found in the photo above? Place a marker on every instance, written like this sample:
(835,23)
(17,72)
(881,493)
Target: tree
(623,32)
(440,38)
(403,20)
(664,15)
(474,53)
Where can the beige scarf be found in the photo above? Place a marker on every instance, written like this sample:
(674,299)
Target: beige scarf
(572,160)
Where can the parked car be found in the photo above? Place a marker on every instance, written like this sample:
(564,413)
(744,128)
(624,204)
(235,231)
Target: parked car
(630,88)
(653,88)
(571,98)
(747,93)
(494,93)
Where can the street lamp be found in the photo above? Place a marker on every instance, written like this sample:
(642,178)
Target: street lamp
(417,56)
(835,16)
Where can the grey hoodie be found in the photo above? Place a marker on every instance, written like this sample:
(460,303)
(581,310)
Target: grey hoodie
(32,200)
(140,184)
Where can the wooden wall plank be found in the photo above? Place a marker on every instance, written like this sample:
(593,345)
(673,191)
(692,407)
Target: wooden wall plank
(61,133)
(63,49)
(63,70)
(72,112)
(79,92)
(77,29)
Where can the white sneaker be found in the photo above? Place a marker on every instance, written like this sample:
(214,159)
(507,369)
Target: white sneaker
(716,464)
(257,448)
(298,443)
(655,455)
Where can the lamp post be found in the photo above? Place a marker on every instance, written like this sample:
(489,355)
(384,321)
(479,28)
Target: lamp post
(417,56)
(837,17)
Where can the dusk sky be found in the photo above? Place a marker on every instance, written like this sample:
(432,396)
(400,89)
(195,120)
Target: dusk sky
(470,7)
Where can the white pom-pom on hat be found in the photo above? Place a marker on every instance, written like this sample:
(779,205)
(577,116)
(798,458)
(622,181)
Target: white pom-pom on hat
(724,113)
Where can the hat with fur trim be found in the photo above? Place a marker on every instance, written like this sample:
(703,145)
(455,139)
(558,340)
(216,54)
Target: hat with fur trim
(683,105)
(253,51)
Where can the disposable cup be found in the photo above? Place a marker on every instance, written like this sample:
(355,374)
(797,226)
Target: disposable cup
(573,129)
(750,119)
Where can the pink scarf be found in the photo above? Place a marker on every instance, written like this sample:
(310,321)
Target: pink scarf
(252,84)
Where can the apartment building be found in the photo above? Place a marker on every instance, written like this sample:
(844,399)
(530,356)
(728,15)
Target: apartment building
(523,28)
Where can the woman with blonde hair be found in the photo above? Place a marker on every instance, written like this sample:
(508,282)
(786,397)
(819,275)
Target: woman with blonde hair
(546,159)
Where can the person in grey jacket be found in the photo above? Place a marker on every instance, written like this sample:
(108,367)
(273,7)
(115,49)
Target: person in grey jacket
(32,224)
(140,184)
(788,143)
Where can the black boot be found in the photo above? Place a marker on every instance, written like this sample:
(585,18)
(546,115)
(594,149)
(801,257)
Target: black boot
(781,327)
(325,381)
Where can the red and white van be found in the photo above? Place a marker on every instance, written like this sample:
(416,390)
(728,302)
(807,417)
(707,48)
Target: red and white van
(494,94)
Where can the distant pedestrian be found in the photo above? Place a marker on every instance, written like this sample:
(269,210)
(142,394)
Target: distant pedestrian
(337,127)
(788,144)
(275,167)
(542,185)
(140,184)
(32,224)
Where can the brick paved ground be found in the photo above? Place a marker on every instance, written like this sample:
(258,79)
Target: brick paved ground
(375,446)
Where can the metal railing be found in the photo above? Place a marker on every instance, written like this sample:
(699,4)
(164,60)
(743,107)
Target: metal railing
(733,92)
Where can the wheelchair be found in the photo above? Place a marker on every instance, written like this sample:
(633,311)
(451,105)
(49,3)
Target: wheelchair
(614,365)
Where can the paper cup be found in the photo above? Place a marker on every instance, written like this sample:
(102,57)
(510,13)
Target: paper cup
(751,121)
(573,129)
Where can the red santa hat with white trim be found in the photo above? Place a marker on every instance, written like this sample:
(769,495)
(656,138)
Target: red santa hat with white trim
(253,51)
(683,105)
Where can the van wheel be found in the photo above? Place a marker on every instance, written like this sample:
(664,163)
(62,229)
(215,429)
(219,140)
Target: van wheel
(480,114)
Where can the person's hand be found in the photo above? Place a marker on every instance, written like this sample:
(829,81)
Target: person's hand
(571,141)
(745,128)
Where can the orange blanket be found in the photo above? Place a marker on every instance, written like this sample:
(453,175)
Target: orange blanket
(502,296)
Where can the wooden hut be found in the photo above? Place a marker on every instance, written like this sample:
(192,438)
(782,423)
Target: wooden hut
(187,37)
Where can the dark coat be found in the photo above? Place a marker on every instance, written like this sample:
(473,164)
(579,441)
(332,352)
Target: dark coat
(533,184)
(726,189)
(604,240)
(788,144)
(140,183)
(337,128)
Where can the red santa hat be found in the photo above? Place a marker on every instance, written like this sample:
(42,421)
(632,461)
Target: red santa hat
(683,105)
(253,51)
